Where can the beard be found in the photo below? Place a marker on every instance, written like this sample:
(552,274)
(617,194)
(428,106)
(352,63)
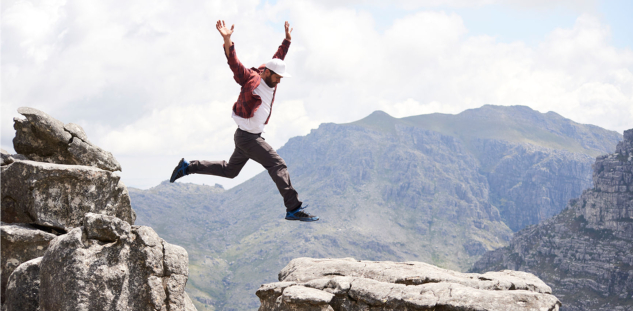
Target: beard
(269,81)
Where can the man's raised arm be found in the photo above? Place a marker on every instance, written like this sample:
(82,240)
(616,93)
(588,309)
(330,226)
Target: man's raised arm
(240,73)
(283,48)
(226,34)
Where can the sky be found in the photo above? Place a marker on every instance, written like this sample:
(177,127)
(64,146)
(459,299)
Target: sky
(148,81)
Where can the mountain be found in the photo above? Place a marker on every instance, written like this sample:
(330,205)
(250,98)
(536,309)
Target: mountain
(586,252)
(441,189)
(525,155)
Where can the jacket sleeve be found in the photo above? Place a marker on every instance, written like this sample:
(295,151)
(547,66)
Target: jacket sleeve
(282,50)
(241,74)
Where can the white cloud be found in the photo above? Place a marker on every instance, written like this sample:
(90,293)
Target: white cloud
(152,83)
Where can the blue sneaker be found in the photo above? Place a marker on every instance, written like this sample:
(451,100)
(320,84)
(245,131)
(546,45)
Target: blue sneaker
(180,170)
(300,215)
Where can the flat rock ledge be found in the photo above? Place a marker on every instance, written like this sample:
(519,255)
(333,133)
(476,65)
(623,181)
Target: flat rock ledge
(349,284)
(58,195)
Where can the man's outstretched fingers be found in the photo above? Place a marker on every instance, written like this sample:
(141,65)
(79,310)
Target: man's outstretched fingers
(288,30)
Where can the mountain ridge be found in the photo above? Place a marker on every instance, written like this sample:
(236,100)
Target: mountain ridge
(461,125)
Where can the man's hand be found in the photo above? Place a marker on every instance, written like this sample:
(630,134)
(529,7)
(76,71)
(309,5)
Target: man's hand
(288,30)
(224,31)
(226,34)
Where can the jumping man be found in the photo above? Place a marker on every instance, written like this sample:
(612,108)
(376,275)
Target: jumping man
(251,112)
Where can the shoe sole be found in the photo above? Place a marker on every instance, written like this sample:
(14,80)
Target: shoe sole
(306,220)
(173,178)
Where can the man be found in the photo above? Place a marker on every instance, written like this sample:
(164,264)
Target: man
(251,112)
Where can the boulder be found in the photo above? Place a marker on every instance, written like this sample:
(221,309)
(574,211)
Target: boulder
(23,288)
(135,271)
(8,158)
(20,243)
(105,228)
(58,196)
(42,138)
(348,284)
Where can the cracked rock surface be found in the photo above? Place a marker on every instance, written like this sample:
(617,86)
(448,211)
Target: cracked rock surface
(42,138)
(349,284)
(59,196)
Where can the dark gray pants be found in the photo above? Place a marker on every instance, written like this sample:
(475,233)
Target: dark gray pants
(252,146)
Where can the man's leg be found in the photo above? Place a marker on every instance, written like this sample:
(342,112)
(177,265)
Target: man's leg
(259,150)
(220,168)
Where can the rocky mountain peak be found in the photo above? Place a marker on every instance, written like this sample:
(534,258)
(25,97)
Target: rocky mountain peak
(625,147)
(584,252)
(609,205)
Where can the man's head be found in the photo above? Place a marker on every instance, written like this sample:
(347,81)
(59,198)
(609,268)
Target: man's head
(275,70)
(271,78)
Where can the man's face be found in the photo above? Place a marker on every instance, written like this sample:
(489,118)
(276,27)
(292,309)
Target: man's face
(271,78)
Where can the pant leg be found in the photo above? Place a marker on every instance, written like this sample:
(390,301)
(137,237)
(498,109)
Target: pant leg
(256,148)
(220,168)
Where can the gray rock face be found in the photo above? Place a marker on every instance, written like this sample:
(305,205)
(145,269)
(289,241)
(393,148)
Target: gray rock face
(42,138)
(528,183)
(23,287)
(20,243)
(59,196)
(584,252)
(139,272)
(347,284)
(103,262)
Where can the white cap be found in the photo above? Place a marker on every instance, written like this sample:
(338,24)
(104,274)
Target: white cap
(278,66)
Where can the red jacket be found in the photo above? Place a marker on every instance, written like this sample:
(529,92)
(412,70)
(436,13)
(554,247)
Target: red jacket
(248,102)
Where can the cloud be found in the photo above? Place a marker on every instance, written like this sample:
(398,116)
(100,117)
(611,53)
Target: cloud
(152,83)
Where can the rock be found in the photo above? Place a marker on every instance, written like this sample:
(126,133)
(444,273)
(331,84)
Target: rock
(42,138)
(103,262)
(23,288)
(20,243)
(76,131)
(142,272)
(279,297)
(348,284)
(105,228)
(6,158)
(189,304)
(584,252)
(58,196)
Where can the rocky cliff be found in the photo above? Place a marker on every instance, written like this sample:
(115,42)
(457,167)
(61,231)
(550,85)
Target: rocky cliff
(441,189)
(347,284)
(68,236)
(585,253)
